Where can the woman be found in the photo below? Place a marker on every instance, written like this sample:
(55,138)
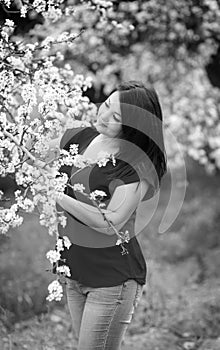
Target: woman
(105,286)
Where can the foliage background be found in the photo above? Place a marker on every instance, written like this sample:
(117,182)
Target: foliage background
(175,46)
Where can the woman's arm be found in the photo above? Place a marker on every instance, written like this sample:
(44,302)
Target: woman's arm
(123,203)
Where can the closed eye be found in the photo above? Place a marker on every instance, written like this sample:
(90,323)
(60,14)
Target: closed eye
(117,119)
(114,116)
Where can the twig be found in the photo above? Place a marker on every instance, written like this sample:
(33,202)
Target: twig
(15,69)
(24,149)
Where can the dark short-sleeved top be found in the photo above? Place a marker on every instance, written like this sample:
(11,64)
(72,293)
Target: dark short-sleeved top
(93,258)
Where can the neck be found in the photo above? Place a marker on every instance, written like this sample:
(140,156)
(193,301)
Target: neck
(106,141)
(103,137)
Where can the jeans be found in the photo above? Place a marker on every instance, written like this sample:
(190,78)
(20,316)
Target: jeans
(100,316)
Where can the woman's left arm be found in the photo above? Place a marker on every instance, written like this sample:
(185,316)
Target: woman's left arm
(123,203)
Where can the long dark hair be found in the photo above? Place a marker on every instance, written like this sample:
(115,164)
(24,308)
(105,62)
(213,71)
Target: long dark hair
(142,128)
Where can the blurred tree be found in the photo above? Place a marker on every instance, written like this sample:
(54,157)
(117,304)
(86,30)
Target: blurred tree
(173,45)
(162,43)
(172,29)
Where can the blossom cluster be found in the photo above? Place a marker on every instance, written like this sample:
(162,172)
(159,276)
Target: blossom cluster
(190,106)
(194,118)
(39,100)
(73,158)
(9,218)
(40,97)
(53,10)
(49,9)
(55,288)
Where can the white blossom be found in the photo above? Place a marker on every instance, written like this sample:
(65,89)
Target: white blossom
(24,10)
(62,220)
(39,5)
(7,2)
(53,256)
(79,187)
(9,23)
(29,94)
(16,62)
(97,193)
(103,158)
(59,245)
(7,80)
(55,291)
(63,270)
(24,203)
(74,148)
(9,218)
(66,242)
(3,119)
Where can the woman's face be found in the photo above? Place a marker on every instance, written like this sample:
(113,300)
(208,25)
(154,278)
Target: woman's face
(109,121)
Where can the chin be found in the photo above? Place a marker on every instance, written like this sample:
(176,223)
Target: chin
(101,129)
